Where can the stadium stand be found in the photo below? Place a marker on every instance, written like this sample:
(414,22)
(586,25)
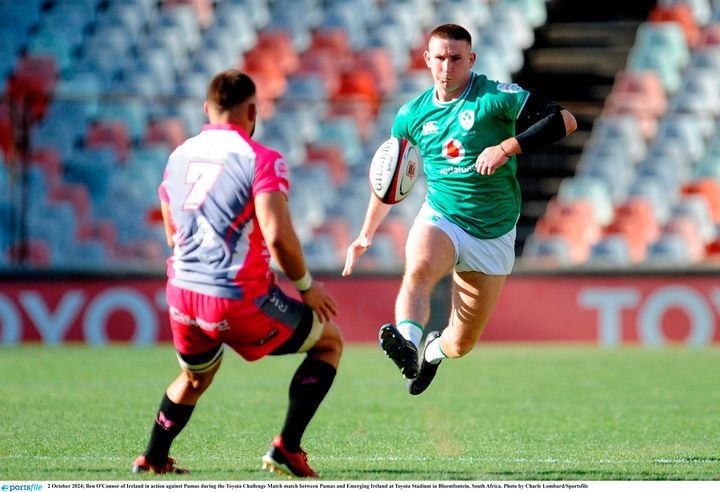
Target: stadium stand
(660,120)
(97,93)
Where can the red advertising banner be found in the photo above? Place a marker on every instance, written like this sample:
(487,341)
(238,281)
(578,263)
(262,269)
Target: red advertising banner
(648,310)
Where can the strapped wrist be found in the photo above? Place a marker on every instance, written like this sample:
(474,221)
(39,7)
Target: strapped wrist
(304,283)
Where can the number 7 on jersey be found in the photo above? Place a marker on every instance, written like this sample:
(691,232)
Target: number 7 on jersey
(202,175)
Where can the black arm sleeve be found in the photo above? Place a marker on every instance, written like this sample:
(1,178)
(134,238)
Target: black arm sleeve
(539,123)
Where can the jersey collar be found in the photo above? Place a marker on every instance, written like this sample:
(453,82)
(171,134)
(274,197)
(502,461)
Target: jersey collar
(224,126)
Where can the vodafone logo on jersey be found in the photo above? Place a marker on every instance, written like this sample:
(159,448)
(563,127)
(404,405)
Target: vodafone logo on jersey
(453,150)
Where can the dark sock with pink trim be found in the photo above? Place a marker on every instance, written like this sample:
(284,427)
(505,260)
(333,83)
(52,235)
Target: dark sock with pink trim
(171,419)
(309,386)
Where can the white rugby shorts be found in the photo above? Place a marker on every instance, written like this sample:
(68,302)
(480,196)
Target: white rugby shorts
(489,256)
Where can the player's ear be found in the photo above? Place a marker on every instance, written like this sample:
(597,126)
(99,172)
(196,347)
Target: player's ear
(252,111)
(426,56)
(473,57)
(205,108)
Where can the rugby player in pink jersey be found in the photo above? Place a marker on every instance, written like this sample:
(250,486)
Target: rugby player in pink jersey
(224,204)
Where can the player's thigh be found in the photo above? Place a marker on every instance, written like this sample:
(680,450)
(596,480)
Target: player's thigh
(474,297)
(429,253)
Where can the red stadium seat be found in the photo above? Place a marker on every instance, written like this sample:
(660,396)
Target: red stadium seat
(682,14)
(99,230)
(203,9)
(170,131)
(689,229)
(35,253)
(575,222)
(641,94)
(7,141)
(32,82)
(330,156)
(709,188)
(48,159)
(358,85)
(76,194)
(335,42)
(111,135)
(269,77)
(321,61)
(379,62)
(397,228)
(277,45)
(638,211)
(710,35)
(338,229)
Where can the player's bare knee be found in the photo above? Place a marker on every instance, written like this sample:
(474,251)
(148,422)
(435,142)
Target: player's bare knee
(456,347)
(417,278)
(198,382)
(332,339)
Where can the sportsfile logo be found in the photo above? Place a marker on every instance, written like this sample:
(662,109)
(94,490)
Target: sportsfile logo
(31,487)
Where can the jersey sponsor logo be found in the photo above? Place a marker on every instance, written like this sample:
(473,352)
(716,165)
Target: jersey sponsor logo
(509,87)
(281,169)
(453,150)
(467,119)
(430,128)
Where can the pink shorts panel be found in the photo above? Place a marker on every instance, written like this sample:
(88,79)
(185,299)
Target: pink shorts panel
(200,322)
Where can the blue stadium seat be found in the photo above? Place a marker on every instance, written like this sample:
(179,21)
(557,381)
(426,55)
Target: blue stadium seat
(309,91)
(343,132)
(612,164)
(257,10)
(619,130)
(125,15)
(59,135)
(130,111)
(185,18)
(612,251)
(592,189)
(54,43)
(696,207)
(91,167)
(670,250)
(322,254)
(552,251)
(653,190)
(338,17)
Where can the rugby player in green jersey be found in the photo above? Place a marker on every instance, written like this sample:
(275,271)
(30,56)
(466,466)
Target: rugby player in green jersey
(468,130)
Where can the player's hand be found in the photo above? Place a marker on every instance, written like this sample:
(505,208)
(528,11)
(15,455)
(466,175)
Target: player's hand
(490,160)
(355,251)
(320,301)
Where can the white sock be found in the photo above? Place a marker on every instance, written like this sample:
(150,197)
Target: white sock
(434,353)
(411,331)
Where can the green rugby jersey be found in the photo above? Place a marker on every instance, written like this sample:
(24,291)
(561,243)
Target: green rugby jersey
(450,136)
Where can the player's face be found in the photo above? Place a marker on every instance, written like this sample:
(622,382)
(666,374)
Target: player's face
(449,61)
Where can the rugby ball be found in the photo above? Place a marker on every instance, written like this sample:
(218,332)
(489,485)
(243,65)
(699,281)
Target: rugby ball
(394,169)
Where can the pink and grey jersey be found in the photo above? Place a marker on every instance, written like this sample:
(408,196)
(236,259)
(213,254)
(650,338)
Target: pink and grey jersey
(209,184)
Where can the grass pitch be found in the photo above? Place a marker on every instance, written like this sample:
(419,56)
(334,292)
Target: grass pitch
(501,413)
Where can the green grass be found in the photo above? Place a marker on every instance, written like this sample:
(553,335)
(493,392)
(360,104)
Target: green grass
(501,413)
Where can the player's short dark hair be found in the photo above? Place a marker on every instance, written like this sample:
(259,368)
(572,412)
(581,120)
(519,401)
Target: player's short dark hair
(229,88)
(453,32)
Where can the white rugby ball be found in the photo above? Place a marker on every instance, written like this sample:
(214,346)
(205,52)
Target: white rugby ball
(394,169)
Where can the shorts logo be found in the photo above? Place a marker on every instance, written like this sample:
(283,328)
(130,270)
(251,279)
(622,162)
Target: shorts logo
(184,319)
(267,337)
(467,119)
(453,150)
